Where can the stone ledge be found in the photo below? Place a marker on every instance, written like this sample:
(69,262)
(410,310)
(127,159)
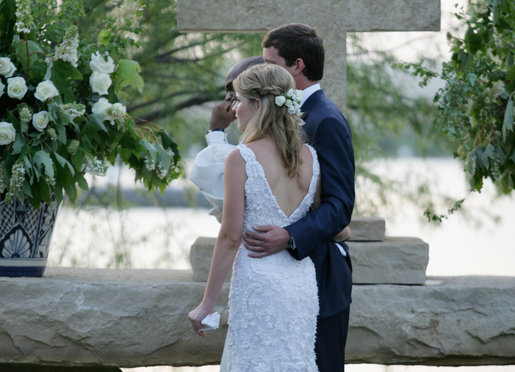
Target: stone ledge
(369,229)
(396,260)
(131,318)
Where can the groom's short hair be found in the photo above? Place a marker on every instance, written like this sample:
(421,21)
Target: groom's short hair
(296,40)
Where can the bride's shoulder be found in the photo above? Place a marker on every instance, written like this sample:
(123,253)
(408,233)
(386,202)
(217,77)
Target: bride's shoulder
(308,151)
(234,157)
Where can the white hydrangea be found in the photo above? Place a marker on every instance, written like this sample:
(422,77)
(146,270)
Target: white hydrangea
(25,114)
(116,113)
(23,16)
(74,110)
(67,50)
(94,166)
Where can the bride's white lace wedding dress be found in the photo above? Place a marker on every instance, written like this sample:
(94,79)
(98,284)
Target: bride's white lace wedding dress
(273,303)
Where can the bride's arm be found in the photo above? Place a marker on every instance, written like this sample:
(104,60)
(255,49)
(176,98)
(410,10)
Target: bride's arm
(229,237)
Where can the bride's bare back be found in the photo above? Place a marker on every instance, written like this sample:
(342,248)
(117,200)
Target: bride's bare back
(288,192)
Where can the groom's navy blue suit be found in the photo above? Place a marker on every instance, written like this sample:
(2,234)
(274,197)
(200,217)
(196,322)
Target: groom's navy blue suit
(329,133)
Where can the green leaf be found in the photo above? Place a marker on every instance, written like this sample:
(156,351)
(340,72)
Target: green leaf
(27,50)
(97,121)
(507,124)
(78,159)
(43,159)
(473,40)
(71,191)
(127,75)
(18,145)
(64,163)
(63,73)
(495,11)
(487,154)
(83,184)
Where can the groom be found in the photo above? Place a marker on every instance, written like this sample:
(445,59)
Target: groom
(300,50)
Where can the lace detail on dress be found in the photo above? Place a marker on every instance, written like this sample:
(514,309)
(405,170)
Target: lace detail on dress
(273,303)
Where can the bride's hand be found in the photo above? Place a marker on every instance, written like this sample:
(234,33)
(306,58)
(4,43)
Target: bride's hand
(195,316)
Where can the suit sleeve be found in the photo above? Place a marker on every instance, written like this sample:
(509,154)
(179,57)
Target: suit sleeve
(333,143)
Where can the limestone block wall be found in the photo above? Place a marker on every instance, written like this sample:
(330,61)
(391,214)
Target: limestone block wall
(376,259)
(130,318)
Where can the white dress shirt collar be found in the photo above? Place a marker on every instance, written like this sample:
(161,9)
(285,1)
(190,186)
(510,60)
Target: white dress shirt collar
(306,93)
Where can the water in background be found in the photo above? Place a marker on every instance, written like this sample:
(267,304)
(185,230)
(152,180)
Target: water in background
(480,242)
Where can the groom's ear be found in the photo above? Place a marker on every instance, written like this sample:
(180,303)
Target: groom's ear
(298,66)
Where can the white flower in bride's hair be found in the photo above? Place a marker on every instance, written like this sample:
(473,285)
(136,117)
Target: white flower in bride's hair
(16,87)
(99,64)
(46,90)
(291,100)
(279,100)
(100,82)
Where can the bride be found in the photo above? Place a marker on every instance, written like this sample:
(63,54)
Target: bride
(270,178)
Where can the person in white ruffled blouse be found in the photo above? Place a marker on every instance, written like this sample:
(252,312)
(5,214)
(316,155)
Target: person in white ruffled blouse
(208,168)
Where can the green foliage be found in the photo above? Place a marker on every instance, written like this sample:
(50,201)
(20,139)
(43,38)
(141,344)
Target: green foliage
(49,141)
(475,107)
(183,70)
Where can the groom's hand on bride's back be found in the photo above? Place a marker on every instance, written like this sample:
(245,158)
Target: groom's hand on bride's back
(266,240)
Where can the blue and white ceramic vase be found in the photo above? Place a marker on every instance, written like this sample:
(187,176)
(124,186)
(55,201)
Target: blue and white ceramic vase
(25,234)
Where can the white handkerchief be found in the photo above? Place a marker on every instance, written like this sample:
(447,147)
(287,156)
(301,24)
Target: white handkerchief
(212,321)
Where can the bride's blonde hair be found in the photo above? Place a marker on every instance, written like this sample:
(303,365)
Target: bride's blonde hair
(266,81)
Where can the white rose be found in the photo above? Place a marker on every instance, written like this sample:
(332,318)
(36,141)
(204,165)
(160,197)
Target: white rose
(2,88)
(100,82)
(7,68)
(99,64)
(101,108)
(279,100)
(16,87)
(40,120)
(45,90)
(288,103)
(7,133)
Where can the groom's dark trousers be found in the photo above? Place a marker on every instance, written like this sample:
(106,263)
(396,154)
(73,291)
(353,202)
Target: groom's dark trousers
(329,133)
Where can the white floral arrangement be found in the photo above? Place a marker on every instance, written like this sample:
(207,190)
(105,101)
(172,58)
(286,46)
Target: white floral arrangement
(61,112)
(292,100)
